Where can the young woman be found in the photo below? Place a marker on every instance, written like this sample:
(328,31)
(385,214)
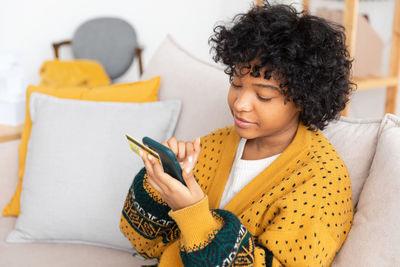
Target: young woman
(270,190)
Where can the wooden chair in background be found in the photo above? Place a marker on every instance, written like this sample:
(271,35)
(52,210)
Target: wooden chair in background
(110,41)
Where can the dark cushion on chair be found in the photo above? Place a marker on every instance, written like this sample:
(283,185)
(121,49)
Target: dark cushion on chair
(111,41)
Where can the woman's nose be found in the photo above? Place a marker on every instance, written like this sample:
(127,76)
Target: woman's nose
(243,101)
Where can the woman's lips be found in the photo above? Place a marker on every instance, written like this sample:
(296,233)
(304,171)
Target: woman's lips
(242,122)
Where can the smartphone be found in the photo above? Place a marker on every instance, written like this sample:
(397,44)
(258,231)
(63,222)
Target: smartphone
(168,159)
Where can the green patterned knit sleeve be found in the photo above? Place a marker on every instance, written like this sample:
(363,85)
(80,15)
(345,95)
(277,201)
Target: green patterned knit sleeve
(145,220)
(232,245)
(217,238)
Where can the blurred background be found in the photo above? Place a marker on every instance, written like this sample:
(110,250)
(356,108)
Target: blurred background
(28,28)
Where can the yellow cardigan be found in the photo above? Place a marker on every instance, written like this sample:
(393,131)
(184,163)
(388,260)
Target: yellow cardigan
(296,212)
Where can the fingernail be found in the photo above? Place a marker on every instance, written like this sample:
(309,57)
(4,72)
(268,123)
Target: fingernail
(187,170)
(190,159)
(141,153)
(150,157)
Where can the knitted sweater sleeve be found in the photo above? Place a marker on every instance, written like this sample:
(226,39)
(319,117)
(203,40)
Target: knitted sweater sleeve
(145,220)
(217,238)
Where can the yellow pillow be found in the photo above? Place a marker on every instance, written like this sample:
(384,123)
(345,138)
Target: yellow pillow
(79,72)
(142,91)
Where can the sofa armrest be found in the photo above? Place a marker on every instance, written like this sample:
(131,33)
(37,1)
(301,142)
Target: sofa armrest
(8,170)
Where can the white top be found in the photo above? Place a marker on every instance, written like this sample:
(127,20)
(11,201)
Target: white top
(242,172)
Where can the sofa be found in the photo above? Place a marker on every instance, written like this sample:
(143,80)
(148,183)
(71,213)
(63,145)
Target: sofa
(369,147)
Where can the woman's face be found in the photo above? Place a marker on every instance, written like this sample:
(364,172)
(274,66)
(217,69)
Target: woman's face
(259,109)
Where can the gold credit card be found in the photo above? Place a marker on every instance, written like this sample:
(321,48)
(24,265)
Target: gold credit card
(136,146)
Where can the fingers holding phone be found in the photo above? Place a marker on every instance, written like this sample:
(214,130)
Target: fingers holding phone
(178,147)
(187,153)
(177,194)
(157,178)
(192,152)
(178,188)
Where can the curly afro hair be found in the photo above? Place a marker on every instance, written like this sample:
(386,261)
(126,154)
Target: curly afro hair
(305,53)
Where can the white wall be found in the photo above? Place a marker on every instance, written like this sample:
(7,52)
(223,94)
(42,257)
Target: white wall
(28,28)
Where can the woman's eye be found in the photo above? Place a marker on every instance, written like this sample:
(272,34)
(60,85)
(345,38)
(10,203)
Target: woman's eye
(235,85)
(264,99)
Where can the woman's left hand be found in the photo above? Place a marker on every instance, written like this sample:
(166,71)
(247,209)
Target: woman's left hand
(177,195)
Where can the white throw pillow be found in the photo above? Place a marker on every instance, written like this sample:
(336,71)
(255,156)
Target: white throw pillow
(202,87)
(374,239)
(355,141)
(79,167)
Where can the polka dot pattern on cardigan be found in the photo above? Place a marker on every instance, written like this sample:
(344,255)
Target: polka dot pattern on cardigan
(305,215)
